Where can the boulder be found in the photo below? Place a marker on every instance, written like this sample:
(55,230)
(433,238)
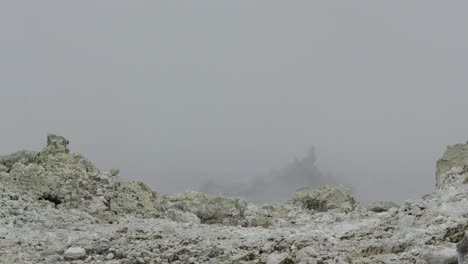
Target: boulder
(182,216)
(324,198)
(266,215)
(456,156)
(57,144)
(99,204)
(74,253)
(114,172)
(66,180)
(444,255)
(462,250)
(23,157)
(381,206)
(211,209)
(135,198)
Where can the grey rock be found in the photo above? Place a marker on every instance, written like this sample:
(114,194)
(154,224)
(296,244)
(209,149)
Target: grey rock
(98,205)
(182,216)
(211,209)
(57,144)
(136,198)
(441,256)
(324,198)
(279,258)
(308,252)
(454,156)
(74,253)
(114,172)
(23,156)
(381,206)
(110,256)
(462,250)
(3,168)
(3,232)
(267,215)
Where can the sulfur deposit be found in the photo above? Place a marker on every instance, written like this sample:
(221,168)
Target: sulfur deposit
(58,207)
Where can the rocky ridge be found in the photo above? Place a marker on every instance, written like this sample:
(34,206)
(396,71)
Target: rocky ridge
(57,207)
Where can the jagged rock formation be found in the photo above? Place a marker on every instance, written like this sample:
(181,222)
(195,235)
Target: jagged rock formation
(324,198)
(57,207)
(57,144)
(70,181)
(455,157)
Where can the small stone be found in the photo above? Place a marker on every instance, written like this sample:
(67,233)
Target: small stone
(74,253)
(110,256)
(114,172)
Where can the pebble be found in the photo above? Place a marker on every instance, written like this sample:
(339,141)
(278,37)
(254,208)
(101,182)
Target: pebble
(110,256)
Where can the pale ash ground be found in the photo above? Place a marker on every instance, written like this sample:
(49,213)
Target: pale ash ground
(57,207)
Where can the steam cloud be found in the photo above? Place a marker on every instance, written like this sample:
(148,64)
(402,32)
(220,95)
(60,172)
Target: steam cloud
(278,185)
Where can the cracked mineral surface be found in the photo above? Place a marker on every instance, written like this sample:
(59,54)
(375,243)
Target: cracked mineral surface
(58,207)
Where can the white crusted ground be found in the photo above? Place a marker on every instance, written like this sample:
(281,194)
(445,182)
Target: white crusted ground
(35,230)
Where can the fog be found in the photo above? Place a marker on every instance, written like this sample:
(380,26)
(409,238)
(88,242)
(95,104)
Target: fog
(184,93)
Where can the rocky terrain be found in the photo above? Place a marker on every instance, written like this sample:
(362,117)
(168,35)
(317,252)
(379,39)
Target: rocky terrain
(57,207)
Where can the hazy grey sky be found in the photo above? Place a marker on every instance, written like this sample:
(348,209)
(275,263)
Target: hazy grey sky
(174,91)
